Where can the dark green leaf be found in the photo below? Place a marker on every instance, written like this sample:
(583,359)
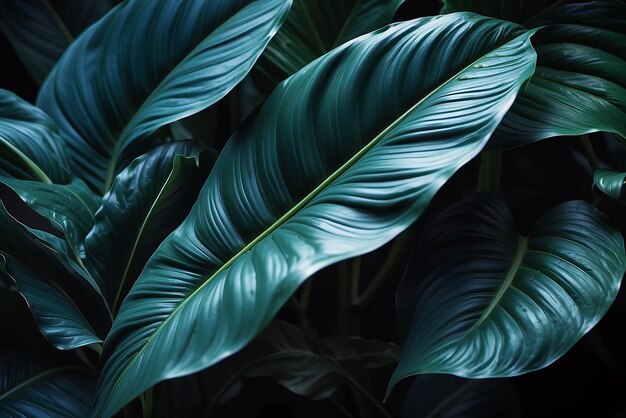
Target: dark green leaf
(314,27)
(446,396)
(580,84)
(611,183)
(40,30)
(30,146)
(342,157)
(146,64)
(147,201)
(31,387)
(482,301)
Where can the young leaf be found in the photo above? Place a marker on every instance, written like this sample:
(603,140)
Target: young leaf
(148,63)
(147,201)
(611,183)
(40,30)
(30,146)
(342,157)
(579,86)
(482,301)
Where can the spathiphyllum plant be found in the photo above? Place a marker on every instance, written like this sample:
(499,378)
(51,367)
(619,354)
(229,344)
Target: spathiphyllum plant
(212,207)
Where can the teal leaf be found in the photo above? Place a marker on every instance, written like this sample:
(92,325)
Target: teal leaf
(40,30)
(59,319)
(579,86)
(612,183)
(479,300)
(147,201)
(342,157)
(314,27)
(146,64)
(32,387)
(30,145)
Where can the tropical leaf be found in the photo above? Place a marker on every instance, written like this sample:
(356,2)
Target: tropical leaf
(447,396)
(342,157)
(612,183)
(314,27)
(579,86)
(34,387)
(79,315)
(30,146)
(40,30)
(70,208)
(58,318)
(148,200)
(482,301)
(148,63)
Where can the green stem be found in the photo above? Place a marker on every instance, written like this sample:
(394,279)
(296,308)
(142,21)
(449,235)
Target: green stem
(362,391)
(591,153)
(147,405)
(490,168)
(355,278)
(343,317)
(303,305)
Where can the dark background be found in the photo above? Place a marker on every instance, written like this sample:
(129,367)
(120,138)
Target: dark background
(589,381)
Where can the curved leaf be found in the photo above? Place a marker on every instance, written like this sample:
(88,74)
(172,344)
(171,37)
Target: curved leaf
(32,388)
(314,27)
(40,30)
(343,156)
(483,301)
(30,146)
(611,183)
(70,208)
(57,316)
(148,63)
(446,396)
(579,86)
(147,201)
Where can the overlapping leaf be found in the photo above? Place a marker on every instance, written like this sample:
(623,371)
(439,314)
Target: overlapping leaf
(30,146)
(148,200)
(612,183)
(479,300)
(148,63)
(579,86)
(342,157)
(40,30)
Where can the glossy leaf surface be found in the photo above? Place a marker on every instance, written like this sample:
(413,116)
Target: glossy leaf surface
(611,183)
(148,200)
(479,300)
(148,63)
(343,156)
(40,30)
(30,145)
(579,86)
(32,387)
(314,27)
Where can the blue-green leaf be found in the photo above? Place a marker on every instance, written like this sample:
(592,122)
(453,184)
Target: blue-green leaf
(479,300)
(148,63)
(612,183)
(30,145)
(342,157)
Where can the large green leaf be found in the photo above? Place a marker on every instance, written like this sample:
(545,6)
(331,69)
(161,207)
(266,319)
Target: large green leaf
(57,316)
(580,84)
(147,201)
(70,208)
(35,387)
(482,301)
(342,157)
(40,30)
(37,268)
(314,27)
(30,146)
(148,63)
(611,183)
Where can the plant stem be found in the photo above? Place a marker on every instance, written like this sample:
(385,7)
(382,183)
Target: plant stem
(490,168)
(343,316)
(362,391)
(305,297)
(355,278)
(591,153)
(147,403)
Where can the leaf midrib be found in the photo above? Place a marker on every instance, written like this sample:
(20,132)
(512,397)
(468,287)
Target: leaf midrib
(283,219)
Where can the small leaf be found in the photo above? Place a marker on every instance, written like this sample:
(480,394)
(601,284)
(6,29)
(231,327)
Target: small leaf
(30,146)
(479,300)
(611,183)
(146,64)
